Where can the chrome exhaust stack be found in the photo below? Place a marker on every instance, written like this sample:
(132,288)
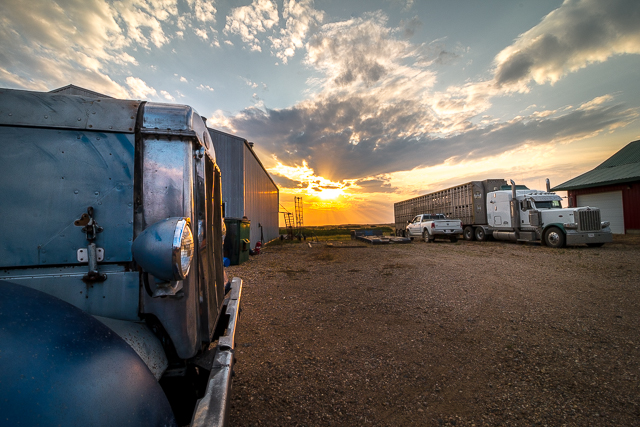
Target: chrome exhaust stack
(515,211)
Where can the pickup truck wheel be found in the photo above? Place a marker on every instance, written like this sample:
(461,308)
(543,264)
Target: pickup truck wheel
(554,237)
(480,234)
(425,236)
(468,233)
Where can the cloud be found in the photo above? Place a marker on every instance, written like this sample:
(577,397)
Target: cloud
(379,184)
(300,19)
(204,10)
(87,42)
(167,95)
(305,177)
(75,45)
(260,20)
(139,88)
(357,51)
(205,87)
(249,21)
(250,83)
(404,137)
(410,27)
(578,33)
(202,33)
(374,110)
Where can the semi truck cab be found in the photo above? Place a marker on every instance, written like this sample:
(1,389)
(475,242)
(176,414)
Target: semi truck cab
(520,214)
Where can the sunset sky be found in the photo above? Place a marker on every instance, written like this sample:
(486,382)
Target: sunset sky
(354,105)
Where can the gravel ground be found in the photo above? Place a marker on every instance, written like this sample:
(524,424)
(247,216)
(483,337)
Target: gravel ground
(430,334)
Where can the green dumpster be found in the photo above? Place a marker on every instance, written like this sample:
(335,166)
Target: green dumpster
(237,241)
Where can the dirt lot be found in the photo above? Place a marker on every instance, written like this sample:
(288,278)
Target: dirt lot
(430,334)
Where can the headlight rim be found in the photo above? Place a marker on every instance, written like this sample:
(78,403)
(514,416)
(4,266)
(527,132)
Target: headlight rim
(181,269)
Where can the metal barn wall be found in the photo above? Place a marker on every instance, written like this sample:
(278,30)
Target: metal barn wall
(229,157)
(247,188)
(261,198)
(630,202)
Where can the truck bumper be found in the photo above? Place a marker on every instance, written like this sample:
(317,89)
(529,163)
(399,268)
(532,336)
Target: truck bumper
(451,232)
(213,409)
(579,238)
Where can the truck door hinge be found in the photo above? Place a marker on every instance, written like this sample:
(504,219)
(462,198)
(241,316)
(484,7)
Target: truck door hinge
(91,254)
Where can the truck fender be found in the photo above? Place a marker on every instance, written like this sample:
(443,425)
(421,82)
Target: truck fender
(554,224)
(60,366)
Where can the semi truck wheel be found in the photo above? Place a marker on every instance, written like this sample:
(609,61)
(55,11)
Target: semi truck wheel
(554,237)
(468,233)
(481,236)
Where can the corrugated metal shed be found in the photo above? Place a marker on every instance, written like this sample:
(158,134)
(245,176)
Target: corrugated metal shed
(247,187)
(622,167)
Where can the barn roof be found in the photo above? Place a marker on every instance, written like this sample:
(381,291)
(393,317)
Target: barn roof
(622,167)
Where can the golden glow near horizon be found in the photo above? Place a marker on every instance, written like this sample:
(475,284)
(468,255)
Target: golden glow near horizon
(312,184)
(329,202)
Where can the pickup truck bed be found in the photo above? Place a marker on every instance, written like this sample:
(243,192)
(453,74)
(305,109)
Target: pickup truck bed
(432,226)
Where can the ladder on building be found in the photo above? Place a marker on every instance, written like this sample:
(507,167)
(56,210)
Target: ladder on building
(288,223)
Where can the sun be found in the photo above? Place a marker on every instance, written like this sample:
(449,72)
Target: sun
(315,185)
(330,193)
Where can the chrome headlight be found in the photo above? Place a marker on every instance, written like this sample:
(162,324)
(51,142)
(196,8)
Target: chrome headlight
(605,224)
(182,249)
(165,249)
(570,226)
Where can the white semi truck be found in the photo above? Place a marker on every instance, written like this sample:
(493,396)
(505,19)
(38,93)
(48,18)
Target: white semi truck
(491,208)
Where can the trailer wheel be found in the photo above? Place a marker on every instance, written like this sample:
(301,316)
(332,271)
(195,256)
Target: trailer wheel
(425,236)
(481,236)
(468,233)
(554,238)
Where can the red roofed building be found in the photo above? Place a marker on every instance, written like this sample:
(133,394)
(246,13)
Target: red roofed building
(613,187)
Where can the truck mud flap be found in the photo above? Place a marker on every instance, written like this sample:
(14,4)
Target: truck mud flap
(213,409)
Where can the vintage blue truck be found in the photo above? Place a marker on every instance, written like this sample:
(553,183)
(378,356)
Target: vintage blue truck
(115,307)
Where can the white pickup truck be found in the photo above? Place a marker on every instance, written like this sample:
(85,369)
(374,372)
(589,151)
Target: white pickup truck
(432,226)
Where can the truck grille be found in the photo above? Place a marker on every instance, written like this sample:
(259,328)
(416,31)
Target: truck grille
(589,220)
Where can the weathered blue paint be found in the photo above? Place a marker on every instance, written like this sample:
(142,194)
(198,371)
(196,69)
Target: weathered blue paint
(118,297)
(51,176)
(60,366)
